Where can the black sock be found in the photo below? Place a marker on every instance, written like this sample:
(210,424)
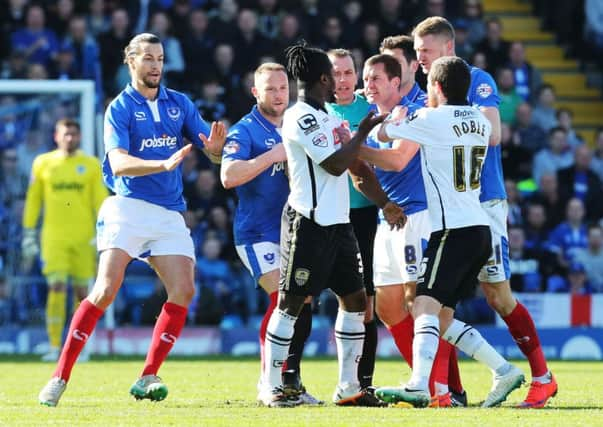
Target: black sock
(303,326)
(366,367)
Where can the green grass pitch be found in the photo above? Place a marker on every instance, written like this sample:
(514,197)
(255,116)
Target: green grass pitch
(221,392)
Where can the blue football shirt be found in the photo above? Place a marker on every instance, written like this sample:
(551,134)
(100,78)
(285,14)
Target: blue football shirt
(405,188)
(151,130)
(261,200)
(484,93)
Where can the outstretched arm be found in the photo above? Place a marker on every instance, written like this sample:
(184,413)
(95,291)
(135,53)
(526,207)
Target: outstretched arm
(238,172)
(124,164)
(390,159)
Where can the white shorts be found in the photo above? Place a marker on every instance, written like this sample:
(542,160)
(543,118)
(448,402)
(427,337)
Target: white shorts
(142,229)
(398,253)
(497,269)
(260,258)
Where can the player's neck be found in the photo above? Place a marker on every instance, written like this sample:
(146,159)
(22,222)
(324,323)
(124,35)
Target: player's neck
(148,92)
(406,88)
(312,97)
(388,106)
(275,120)
(346,101)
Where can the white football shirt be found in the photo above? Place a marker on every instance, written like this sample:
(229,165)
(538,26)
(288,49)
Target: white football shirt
(309,139)
(454,142)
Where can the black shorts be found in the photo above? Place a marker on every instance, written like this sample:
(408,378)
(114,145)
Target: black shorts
(364,222)
(315,257)
(451,262)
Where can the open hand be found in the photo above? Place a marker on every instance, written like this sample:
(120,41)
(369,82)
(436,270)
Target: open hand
(216,140)
(175,159)
(370,121)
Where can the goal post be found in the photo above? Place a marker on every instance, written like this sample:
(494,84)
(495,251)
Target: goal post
(86,103)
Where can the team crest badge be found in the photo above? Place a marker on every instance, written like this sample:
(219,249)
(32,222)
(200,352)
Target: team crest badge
(484,90)
(80,169)
(173,113)
(320,140)
(302,275)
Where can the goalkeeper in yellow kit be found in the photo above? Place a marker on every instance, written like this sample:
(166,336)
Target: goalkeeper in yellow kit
(67,186)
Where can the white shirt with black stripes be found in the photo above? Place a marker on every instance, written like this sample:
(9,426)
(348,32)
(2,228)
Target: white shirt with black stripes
(309,138)
(454,142)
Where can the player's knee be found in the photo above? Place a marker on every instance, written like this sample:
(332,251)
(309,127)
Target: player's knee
(103,295)
(501,303)
(390,314)
(185,292)
(354,302)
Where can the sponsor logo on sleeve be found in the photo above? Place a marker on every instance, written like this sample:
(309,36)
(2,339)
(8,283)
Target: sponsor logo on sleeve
(307,123)
(320,140)
(231,147)
(484,90)
(269,142)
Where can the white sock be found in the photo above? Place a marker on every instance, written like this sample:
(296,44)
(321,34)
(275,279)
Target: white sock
(471,342)
(276,348)
(544,379)
(424,349)
(349,338)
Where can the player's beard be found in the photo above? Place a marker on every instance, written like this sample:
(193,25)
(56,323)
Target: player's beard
(269,111)
(150,83)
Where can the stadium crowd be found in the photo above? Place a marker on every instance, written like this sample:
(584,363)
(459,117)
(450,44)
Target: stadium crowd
(553,179)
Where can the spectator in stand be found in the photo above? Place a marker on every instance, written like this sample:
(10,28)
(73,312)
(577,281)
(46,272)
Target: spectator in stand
(548,196)
(527,77)
(592,258)
(216,275)
(224,68)
(37,72)
(289,32)
(268,18)
(577,280)
(479,60)
(526,133)
(473,15)
(173,62)
(352,20)
(12,126)
(242,101)
(12,18)
(204,194)
(85,53)
(59,17)
(463,48)
(564,119)
(543,115)
(179,15)
(516,160)
(597,161)
(249,44)
(494,46)
(509,99)
(33,146)
(97,19)
(593,34)
(331,37)
(211,102)
(13,183)
(514,216)
(140,12)
(223,21)
(581,182)
(536,233)
(371,39)
(570,235)
(111,55)
(526,264)
(39,43)
(557,156)
(16,66)
(395,18)
(433,8)
(197,45)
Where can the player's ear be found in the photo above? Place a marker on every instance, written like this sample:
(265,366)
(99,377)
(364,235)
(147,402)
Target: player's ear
(254,91)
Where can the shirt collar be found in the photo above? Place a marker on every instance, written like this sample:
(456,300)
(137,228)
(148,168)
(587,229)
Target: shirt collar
(255,113)
(137,96)
(314,104)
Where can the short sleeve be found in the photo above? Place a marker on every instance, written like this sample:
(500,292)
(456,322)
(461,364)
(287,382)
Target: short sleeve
(483,91)
(194,125)
(116,127)
(414,128)
(238,144)
(317,137)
